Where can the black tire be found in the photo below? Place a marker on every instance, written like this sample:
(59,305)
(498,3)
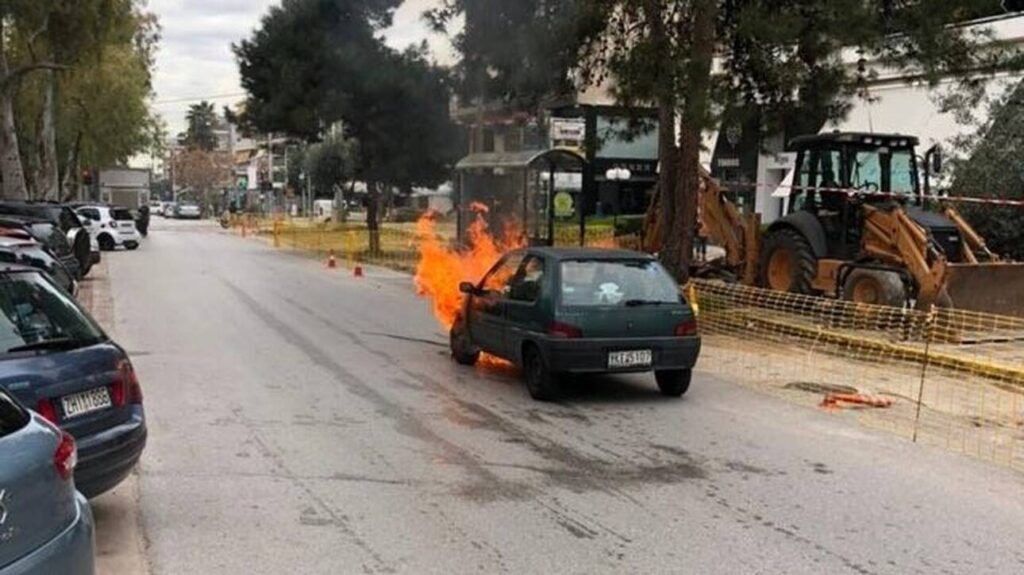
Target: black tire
(462,348)
(107,243)
(86,270)
(131,247)
(875,287)
(673,382)
(797,276)
(540,382)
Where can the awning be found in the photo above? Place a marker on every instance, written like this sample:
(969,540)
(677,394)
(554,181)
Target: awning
(560,159)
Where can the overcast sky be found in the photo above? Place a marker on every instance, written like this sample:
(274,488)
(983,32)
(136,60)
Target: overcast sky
(195,59)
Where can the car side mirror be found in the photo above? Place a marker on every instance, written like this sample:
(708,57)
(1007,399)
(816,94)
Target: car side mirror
(467,288)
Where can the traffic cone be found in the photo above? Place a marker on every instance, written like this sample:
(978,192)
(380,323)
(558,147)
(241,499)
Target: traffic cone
(357,271)
(331,262)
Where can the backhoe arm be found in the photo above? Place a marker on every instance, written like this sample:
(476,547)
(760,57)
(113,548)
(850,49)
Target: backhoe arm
(891,236)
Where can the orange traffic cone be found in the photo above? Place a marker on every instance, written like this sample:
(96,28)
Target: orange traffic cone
(331,262)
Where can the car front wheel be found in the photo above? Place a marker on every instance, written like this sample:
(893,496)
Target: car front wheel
(462,348)
(541,383)
(673,382)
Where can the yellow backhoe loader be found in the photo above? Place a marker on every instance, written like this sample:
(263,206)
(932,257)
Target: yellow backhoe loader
(858,227)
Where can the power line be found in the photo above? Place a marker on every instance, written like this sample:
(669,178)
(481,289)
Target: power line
(199,98)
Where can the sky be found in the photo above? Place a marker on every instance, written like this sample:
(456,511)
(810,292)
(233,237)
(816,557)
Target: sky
(195,60)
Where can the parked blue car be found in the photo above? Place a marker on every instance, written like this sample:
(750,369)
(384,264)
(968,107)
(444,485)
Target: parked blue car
(55,359)
(45,526)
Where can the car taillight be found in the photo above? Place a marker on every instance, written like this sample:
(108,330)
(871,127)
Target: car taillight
(564,330)
(45,408)
(125,389)
(687,328)
(66,456)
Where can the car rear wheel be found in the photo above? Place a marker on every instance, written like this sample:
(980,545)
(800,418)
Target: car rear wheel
(462,348)
(541,383)
(106,243)
(673,382)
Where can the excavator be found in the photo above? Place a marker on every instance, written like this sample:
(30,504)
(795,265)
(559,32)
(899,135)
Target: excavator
(858,227)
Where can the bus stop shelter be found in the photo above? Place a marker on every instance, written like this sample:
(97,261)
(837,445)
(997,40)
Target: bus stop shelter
(530,189)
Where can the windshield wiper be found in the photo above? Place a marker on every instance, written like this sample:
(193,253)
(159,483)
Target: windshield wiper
(55,343)
(640,302)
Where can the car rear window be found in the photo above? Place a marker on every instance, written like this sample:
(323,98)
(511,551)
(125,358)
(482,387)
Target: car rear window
(12,417)
(121,214)
(35,314)
(586,283)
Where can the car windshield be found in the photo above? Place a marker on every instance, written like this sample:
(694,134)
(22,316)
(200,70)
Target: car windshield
(36,312)
(121,214)
(616,283)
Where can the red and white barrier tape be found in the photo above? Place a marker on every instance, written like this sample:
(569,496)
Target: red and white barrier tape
(853,192)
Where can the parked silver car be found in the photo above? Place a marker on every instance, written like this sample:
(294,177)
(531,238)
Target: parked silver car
(45,525)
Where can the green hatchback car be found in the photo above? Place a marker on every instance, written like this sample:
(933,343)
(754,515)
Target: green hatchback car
(555,311)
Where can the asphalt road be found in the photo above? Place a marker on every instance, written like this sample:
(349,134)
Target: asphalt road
(305,421)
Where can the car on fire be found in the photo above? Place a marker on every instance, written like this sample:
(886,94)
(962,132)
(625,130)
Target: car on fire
(555,311)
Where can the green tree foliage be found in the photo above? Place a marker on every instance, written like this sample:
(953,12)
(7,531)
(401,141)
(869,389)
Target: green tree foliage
(79,76)
(330,164)
(518,53)
(779,57)
(993,167)
(314,63)
(202,121)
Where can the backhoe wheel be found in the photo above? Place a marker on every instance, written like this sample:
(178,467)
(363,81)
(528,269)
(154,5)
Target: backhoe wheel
(875,287)
(787,262)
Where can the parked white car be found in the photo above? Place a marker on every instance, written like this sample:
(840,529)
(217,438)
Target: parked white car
(189,212)
(112,227)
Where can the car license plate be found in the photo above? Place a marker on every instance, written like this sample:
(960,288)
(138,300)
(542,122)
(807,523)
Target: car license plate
(634,358)
(86,402)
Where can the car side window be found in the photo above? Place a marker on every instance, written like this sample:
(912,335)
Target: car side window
(525,285)
(496,282)
(91,213)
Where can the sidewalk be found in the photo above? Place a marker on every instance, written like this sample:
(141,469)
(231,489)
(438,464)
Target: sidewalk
(120,542)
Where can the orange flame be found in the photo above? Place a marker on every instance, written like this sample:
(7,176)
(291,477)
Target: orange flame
(441,267)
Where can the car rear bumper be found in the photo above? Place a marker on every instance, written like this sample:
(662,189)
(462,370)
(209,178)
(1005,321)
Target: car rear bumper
(71,552)
(591,355)
(106,458)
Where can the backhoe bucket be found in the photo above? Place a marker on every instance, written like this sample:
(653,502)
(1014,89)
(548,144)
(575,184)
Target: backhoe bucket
(996,288)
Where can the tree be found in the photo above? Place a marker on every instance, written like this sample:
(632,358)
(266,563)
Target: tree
(314,63)
(992,166)
(329,164)
(780,57)
(205,172)
(516,53)
(202,120)
(44,41)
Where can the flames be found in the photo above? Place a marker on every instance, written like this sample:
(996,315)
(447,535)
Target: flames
(442,267)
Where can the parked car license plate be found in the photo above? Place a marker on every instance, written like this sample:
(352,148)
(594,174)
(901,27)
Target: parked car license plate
(86,402)
(633,358)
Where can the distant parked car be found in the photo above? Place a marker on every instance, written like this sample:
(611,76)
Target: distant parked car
(49,235)
(170,210)
(112,227)
(16,250)
(55,359)
(83,246)
(45,526)
(188,212)
(557,311)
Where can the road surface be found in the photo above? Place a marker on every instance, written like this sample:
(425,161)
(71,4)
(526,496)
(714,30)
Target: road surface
(305,421)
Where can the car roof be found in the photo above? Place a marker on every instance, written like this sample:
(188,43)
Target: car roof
(559,253)
(20,219)
(8,268)
(9,242)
